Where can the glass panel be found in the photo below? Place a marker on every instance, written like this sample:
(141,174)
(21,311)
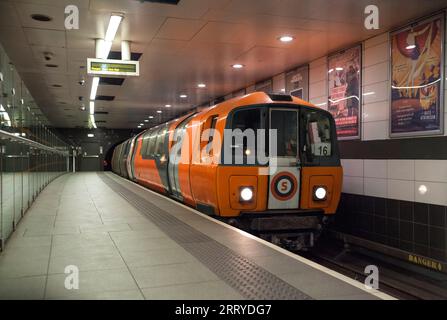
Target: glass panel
(285,122)
(319,140)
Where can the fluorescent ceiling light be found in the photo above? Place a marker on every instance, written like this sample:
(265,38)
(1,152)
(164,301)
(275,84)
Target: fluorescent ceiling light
(92,107)
(139,127)
(183,96)
(141,124)
(95,84)
(159,111)
(167,105)
(151,117)
(201,85)
(114,24)
(90,135)
(146,120)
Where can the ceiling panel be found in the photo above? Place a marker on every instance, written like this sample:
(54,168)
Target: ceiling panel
(195,41)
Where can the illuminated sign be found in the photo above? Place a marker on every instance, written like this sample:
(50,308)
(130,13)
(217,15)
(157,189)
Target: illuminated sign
(113,67)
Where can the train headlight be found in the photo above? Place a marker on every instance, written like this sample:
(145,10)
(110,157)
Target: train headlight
(320,193)
(246,194)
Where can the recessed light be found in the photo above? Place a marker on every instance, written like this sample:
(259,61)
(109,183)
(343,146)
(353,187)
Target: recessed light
(50,65)
(237,66)
(41,17)
(167,105)
(90,135)
(183,96)
(286,38)
(159,111)
(201,85)
(141,124)
(151,117)
(139,127)
(146,120)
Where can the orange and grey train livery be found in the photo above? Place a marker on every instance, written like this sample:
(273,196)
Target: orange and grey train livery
(264,162)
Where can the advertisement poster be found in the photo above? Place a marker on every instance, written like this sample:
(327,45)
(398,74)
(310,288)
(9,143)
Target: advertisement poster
(417,79)
(344,76)
(297,83)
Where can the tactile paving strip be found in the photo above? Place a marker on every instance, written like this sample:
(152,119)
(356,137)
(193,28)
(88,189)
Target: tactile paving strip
(243,275)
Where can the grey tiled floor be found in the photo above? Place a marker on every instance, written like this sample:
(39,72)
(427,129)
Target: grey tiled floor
(78,220)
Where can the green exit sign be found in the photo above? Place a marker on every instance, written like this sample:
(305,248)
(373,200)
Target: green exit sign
(113,67)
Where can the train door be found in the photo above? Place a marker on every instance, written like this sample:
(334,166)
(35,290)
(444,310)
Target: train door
(284,164)
(175,158)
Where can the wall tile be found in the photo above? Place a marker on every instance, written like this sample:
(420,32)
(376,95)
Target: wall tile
(375,187)
(317,89)
(431,170)
(376,54)
(317,73)
(375,168)
(352,167)
(401,190)
(381,92)
(377,130)
(384,37)
(353,185)
(279,83)
(378,111)
(401,169)
(375,73)
(435,192)
(318,62)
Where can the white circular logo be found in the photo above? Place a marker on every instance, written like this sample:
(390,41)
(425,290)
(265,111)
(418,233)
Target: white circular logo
(284,186)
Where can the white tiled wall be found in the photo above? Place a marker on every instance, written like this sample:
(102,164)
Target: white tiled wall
(411,180)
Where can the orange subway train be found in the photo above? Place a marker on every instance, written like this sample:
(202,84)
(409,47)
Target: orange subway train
(266,163)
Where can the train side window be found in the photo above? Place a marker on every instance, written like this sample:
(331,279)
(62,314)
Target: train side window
(152,139)
(159,149)
(208,132)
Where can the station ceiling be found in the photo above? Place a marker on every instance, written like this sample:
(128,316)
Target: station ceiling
(195,41)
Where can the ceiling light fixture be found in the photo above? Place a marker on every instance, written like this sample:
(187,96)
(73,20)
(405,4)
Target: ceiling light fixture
(237,66)
(201,85)
(95,84)
(151,117)
(183,96)
(159,111)
(92,107)
(41,17)
(286,38)
(167,105)
(146,120)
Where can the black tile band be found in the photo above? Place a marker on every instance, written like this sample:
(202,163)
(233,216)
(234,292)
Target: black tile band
(239,272)
(434,148)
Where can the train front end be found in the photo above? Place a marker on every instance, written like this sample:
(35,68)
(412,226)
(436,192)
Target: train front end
(281,165)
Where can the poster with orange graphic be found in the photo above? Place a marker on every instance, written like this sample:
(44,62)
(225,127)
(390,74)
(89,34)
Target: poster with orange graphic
(417,79)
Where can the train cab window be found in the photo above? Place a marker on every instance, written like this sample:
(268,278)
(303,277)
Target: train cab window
(285,122)
(244,124)
(320,133)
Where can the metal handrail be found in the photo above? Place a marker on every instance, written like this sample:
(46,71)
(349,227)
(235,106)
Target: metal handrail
(31,143)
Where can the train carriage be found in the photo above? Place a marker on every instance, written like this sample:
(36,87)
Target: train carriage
(266,163)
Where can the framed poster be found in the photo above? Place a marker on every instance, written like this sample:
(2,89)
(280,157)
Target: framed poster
(265,86)
(417,79)
(344,99)
(297,82)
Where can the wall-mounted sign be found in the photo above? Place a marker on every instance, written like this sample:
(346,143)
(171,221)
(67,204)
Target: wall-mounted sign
(417,70)
(113,67)
(344,76)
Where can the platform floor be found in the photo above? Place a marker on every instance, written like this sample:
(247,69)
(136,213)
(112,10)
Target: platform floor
(153,249)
